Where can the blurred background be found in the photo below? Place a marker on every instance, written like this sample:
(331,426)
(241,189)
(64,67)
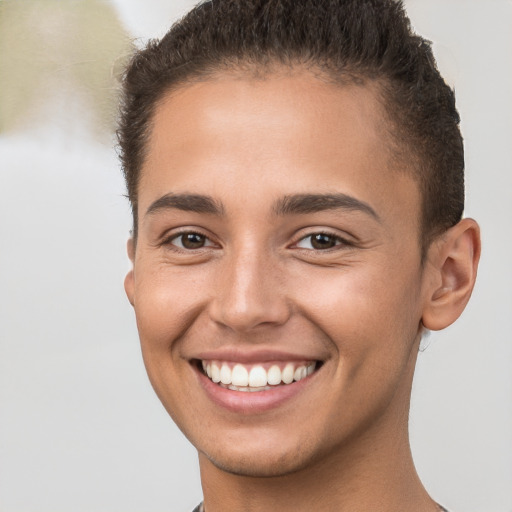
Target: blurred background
(80,427)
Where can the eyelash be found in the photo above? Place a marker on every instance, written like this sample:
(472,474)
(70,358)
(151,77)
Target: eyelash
(168,241)
(338,241)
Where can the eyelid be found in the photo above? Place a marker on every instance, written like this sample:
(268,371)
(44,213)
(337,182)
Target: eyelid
(170,236)
(341,241)
(207,241)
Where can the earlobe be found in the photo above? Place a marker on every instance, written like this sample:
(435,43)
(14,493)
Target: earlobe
(453,262)
(129,285)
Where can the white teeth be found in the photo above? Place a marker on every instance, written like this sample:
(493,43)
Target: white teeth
(215,373)
(225,374)
(301,372)
(257,377)
(288,374)
(239,376)
(246,389)
(274,375)
(236,388)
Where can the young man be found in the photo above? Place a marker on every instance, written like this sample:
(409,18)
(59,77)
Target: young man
(295,169)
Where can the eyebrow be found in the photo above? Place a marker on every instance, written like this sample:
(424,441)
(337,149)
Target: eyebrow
(298,204)
(311,203)
(186,202)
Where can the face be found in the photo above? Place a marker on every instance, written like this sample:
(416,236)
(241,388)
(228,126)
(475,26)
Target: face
(277,281)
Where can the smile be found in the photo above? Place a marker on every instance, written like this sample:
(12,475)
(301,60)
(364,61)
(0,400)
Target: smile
(256,377)
(253,383)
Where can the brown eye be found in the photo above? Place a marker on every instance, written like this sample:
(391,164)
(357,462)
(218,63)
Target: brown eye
(319,241)
(191,241)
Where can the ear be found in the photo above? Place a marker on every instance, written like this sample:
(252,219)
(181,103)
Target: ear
(129,284)
(452,266)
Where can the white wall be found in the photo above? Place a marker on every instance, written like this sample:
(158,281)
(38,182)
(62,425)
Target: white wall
(80,427)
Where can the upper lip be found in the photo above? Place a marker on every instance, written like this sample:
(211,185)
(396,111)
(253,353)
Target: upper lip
(248,356)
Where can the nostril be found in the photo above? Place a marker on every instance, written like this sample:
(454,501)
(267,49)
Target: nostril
(242,320)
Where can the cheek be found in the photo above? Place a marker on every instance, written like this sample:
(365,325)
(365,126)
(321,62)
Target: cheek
(168,300)
(364,308)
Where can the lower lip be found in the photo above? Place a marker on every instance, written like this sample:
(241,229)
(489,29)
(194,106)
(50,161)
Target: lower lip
(252,402)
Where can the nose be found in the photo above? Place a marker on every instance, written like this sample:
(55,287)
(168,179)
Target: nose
(250,292)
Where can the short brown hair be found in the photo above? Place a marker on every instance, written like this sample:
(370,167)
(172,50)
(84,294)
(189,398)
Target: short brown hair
(347,40)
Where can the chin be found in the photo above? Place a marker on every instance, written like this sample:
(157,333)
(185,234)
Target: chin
(257,467)
(262,461)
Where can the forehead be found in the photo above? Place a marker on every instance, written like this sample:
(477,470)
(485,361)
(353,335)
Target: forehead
(285,133)
(271,112)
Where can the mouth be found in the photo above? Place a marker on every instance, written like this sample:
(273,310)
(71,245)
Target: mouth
(256,377)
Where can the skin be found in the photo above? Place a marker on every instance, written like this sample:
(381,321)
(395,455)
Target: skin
(259,283)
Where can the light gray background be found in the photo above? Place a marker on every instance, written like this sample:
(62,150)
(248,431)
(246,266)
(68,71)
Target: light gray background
(80,427)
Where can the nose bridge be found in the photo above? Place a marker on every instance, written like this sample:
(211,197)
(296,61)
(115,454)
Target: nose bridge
(249,293)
